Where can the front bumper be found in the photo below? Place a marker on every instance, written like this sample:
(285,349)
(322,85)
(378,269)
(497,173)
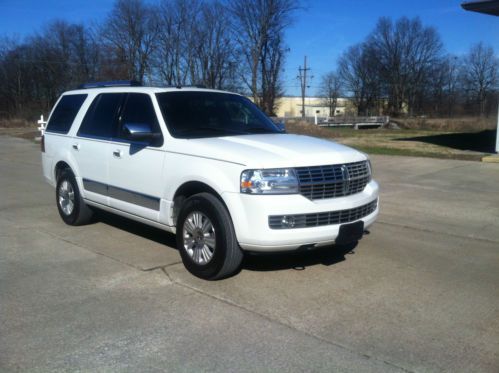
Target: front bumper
(250,215)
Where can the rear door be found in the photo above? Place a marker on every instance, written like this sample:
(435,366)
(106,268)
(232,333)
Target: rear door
(135,168)
(91,144)
(60,122)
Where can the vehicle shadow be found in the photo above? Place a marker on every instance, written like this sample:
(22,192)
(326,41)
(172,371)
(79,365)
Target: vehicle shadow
(154,234)
(327,255)
(483,141)
(261,262)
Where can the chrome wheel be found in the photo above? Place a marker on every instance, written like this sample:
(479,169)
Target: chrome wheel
(199,237)
(66,197)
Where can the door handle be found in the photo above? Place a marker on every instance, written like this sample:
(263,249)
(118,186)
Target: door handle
(76,146)
(117,153)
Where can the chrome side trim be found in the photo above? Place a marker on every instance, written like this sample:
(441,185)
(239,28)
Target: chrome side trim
(135,198)
(95,186)
(122,194)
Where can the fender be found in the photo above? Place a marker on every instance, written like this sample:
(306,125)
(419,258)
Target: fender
(213,173)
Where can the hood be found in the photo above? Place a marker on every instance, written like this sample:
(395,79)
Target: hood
(271,150)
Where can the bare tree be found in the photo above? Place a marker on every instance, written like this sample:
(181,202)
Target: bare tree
(258,27)
(330,90)
(451,82)
(360,77)
(214,52)
(177,41)
(132,29)
(480,73)
(36,71)
(404,53)
(440,95)
(272,60)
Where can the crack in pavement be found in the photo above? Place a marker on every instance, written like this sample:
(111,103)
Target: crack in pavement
(162,267)
(379,221)
(418,176)
(98,253)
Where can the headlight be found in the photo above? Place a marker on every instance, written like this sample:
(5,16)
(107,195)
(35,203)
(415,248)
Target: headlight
(270,181)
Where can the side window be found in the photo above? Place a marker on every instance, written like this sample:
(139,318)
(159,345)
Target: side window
(101,116)
(139,109)
(64,114)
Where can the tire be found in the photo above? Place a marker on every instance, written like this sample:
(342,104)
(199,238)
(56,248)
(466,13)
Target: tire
(206,239)
(72,208)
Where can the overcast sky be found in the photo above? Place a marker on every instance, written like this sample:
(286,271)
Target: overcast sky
(322,31)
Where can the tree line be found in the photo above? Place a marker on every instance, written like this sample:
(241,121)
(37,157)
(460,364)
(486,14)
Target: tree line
(236,45)
(401,68)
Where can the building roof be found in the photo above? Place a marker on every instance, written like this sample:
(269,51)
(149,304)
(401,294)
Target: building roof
(485,6)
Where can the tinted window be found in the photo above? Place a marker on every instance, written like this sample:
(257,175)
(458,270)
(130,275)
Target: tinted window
(101,116)
(208,114)
(64,114)
(139,109)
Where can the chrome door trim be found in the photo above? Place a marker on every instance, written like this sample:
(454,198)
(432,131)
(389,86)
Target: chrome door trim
(122,194)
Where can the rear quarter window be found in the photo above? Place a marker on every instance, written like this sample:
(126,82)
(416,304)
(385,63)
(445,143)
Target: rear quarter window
(65,113)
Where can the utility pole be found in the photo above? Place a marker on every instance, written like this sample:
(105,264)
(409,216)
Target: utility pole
(303,83)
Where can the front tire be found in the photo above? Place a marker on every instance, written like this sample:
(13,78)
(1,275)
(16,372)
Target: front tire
(72,208)
(206,239)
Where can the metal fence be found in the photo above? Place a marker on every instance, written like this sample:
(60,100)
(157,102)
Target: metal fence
(356,122)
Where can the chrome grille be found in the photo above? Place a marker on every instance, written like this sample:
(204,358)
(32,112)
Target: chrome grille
(323,218)
(330,181)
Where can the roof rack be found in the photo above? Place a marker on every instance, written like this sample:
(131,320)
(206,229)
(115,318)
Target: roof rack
(182,86)
(111,83)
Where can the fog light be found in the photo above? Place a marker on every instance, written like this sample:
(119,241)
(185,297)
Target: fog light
(288,221)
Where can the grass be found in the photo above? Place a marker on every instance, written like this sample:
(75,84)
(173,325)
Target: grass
(417,153)
(458,144)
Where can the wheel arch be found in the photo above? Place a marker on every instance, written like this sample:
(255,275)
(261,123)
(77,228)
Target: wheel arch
(188,189)
(59,167)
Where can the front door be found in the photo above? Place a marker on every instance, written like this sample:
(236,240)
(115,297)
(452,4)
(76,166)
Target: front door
(135,168)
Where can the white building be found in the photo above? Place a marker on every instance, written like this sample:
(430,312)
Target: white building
(291,106)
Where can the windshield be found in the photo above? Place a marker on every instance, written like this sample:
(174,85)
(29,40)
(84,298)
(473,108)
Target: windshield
(212,114)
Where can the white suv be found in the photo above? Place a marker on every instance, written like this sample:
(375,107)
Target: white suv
(207,165)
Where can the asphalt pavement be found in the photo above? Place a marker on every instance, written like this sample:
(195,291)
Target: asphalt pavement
(419,293)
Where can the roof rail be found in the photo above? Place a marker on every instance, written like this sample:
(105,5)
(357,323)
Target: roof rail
(179,86)
(111,83)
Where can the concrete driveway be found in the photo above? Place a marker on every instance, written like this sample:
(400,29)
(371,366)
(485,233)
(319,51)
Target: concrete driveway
(419,293)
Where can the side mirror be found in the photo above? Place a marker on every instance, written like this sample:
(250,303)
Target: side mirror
(139,132)
(281,126)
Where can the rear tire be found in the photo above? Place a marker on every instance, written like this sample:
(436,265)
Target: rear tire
(72,208)
(206,239)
